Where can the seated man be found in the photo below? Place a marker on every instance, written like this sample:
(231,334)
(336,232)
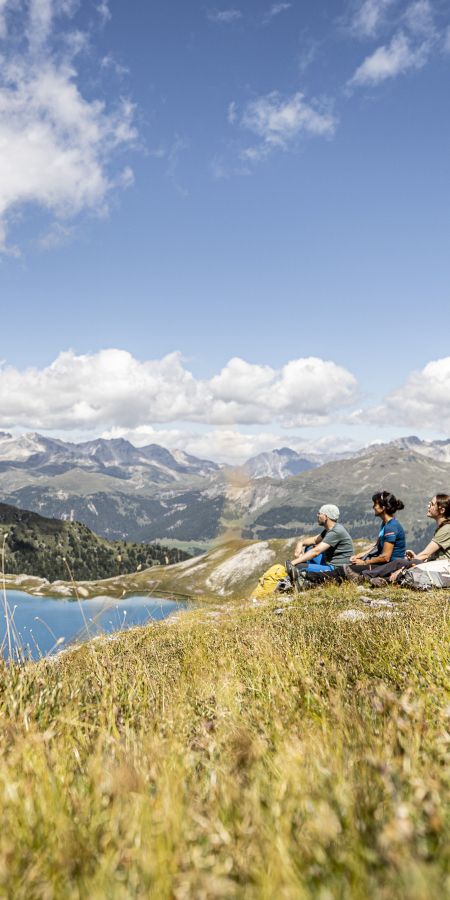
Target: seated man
(333,541)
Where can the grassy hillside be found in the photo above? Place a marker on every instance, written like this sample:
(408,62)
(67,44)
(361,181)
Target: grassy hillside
(37,546)
(243,754)
(231,570)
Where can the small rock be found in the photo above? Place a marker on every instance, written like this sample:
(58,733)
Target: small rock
(382,603)
(351,615)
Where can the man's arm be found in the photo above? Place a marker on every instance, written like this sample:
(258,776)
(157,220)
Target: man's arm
(311,554)
(300,548)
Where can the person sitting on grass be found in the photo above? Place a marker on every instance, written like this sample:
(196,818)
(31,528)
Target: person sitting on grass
(334,542)
(391,545)
(437,549)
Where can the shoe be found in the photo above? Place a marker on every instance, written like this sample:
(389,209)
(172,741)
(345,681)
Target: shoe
(353,576)
(375,581)
(300,581)
(290,570)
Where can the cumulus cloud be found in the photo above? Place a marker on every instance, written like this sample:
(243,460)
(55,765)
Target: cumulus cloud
(275,10)
(55,146)
(280,122)
(409,47)
(111,388)
(423,401)
(226,16)
(231,446)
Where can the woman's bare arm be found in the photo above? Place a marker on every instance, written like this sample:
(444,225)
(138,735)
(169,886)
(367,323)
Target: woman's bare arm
(431,548)
(384,557)
(357,556)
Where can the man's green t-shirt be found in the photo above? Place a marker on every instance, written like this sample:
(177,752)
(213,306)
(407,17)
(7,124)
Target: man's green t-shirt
(442,537)
(341,546)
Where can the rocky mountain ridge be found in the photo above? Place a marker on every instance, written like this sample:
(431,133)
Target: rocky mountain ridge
(150,495)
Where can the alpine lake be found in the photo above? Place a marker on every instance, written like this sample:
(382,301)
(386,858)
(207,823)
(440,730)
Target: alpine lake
(42,626)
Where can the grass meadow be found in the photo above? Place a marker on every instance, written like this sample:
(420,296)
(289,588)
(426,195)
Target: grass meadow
(235,753)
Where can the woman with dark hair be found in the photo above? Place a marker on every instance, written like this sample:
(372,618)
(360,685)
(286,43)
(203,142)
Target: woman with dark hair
(439,546)
(391,539)
(391,545)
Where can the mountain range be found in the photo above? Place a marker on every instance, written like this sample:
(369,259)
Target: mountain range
(151,494)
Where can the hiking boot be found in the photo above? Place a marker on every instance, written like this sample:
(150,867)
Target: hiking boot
(353,576)
(375,581)
(300,581)
(290,570)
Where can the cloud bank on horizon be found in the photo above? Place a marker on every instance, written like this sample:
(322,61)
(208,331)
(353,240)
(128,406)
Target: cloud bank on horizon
(112,392)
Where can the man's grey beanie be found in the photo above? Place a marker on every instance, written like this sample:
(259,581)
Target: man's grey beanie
(330,510)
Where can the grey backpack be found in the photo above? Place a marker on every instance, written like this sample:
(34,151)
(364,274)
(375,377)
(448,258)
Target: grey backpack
(428,576)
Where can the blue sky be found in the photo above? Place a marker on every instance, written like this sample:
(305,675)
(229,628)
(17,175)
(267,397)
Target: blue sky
(209,183)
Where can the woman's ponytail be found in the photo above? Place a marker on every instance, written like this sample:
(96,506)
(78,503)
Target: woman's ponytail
(389,502)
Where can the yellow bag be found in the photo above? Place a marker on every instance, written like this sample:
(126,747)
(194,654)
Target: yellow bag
(268,582)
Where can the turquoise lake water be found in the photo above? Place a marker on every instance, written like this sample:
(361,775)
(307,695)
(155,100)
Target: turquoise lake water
(41,621)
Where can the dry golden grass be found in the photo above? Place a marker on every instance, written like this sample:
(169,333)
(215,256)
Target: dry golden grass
(250,756)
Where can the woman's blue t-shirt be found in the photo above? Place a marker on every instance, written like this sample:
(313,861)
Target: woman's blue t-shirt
(394,534)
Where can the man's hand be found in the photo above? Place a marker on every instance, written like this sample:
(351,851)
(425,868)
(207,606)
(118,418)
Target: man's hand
(410,554)
(303,546)
(357,561)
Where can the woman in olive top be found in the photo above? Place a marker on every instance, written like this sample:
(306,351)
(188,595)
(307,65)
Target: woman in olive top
(439,546)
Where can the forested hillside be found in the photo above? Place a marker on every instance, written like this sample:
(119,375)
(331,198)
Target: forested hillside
(38,546)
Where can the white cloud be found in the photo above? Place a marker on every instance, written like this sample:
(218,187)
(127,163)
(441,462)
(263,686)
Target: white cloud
(308,54)
(280,122)
(108,62)
(232,114)
(369,16)
(57,236)
(55,146)
(391,60)
(423,401)
(409,48)
(230,446)
(226,16)
(104,11)
(111,388)
(275,10)
(419,18)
